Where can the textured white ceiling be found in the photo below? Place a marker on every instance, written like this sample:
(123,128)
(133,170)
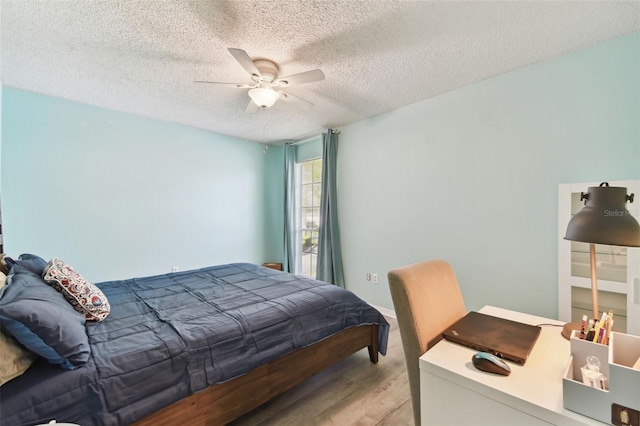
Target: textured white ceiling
(142,56)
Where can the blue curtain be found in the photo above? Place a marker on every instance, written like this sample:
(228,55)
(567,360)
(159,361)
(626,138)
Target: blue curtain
(329,267)
(290,225)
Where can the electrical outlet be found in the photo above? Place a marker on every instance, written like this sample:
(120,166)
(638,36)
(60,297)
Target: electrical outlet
(375,278)
(368,276)
(175,268)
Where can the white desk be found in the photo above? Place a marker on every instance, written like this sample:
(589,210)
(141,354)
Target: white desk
(453,392)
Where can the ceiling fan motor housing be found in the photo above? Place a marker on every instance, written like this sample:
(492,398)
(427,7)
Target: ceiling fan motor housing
(268,69)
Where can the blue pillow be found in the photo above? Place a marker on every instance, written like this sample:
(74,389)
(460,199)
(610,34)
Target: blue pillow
(34,263)
(42,320)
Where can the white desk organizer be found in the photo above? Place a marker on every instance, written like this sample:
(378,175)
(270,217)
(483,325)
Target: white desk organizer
(616,361)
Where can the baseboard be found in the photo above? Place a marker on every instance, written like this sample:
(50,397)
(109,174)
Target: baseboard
(386,312)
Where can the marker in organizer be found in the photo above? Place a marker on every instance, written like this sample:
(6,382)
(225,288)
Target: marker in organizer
(609,326)
(583,327)
(603,331)
(596,330)
(590,331)
(600,325)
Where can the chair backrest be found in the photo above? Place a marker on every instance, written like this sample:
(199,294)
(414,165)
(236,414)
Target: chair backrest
(427,299)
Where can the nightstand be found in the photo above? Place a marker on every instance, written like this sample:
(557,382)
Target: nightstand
(276,266)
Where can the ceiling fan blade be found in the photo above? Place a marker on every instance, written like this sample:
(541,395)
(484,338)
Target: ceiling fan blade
(300,78)
(238,85)
(246,62)
(299,102)
(251,108)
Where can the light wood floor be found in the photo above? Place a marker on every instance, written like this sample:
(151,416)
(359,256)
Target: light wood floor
(353,392)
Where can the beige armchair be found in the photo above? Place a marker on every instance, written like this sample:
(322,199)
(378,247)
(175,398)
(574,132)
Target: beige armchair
(427,299)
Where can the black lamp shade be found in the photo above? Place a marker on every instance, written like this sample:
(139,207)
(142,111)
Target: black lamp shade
(604,219)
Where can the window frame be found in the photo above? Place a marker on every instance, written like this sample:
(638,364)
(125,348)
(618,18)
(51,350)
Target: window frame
(301,224)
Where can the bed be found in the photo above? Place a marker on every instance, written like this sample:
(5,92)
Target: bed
(199,347)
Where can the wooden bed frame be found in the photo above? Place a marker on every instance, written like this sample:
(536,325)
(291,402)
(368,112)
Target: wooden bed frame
(222,403)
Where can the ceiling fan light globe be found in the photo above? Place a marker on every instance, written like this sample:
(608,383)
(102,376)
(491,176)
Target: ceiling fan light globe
(264,97)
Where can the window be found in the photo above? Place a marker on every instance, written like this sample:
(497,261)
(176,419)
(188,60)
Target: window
(310,186)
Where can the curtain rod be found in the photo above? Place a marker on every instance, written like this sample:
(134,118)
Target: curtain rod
(311,138)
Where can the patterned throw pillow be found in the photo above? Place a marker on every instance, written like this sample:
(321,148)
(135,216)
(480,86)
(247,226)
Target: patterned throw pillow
(83,295)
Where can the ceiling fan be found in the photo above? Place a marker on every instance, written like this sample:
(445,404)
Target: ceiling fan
(264,77)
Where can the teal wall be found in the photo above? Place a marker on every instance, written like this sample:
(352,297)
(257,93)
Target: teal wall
(310,149)
(118,195)
(472,176)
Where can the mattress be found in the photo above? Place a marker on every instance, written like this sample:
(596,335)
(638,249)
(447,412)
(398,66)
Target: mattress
(169,336)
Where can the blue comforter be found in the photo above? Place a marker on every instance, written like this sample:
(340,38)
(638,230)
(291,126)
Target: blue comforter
(169,336)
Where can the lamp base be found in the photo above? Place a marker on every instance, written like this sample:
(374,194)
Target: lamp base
(569,327)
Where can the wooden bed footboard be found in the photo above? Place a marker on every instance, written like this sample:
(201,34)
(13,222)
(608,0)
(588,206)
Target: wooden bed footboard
(222,403)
